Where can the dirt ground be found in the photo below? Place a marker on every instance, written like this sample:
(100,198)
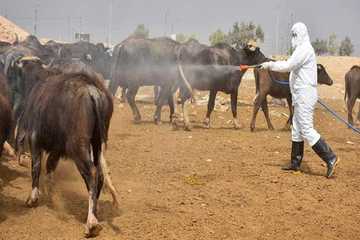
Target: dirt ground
(216,184)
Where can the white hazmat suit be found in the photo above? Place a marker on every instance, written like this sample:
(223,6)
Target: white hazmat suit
(303,81)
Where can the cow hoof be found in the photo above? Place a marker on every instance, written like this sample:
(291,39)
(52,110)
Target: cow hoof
(31,202)
(206,123)
(271,128)
(252,129)
(157,122)
(236,124)
(287,127)
(33,199)
(92,229)
(137,120)
(187,128)
(174,127)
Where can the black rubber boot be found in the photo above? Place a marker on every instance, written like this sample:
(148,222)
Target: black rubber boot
(297,154)
(326,154)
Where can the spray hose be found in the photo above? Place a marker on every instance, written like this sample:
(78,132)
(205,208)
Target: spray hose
(338,117)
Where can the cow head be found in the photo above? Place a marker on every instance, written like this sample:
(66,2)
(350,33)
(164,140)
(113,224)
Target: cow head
(30,71)
(323,76)
(253,55)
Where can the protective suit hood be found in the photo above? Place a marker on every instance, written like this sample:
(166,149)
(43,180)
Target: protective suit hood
(299,34)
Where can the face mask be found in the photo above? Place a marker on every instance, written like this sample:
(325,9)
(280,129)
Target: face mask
(293,40)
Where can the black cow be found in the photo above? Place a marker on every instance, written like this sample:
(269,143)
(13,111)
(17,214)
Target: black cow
(95,56)
(146,62)
(352,91)
(276,84)
(29,47)
(59,100)
(217,69)
(5,111)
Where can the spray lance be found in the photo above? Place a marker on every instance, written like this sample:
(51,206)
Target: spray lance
(244,67)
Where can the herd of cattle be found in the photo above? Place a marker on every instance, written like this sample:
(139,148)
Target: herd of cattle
(47,89)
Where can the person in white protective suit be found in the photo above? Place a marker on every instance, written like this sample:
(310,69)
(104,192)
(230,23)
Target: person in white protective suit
(303,82)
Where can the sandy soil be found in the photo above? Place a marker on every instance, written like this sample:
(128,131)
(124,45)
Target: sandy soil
(205,184)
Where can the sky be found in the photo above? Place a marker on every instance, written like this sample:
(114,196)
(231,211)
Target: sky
(61,19)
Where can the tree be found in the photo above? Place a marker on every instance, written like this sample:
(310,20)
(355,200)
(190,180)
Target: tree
(244,32)
(346,47)
(320,47)
(141,31)
(182,38)
(217,37)
(259,33)
(333,47)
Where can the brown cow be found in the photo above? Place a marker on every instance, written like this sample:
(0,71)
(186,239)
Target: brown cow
(67,115)
(276,85)
(352,91)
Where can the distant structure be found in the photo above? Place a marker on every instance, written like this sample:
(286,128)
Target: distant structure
(173,37)
(84,37)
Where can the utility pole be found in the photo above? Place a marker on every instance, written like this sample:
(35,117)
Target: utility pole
(36,18)
(110,23)
(165,21)
(69,28)
(277,32)
(291,23)
(80,25)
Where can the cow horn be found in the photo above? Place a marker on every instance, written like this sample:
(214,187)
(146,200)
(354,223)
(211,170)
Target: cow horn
(29,58)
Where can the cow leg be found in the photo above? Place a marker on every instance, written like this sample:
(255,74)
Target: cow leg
(156,94)
(176,116)
(20,146)
(259,98)
(358,116)
(291,113)
(130,95)
(350,105)
(265,108)
(123,95)
(2,143)
(89,173)
(211,105)
(185,104)
(36,155)
(171,106)
(234,97)
(162,100)
(51,164)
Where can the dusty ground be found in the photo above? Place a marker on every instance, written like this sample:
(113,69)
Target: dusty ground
(205,184)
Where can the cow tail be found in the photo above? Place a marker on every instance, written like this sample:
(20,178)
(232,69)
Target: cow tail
(99,139)
(182,74)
